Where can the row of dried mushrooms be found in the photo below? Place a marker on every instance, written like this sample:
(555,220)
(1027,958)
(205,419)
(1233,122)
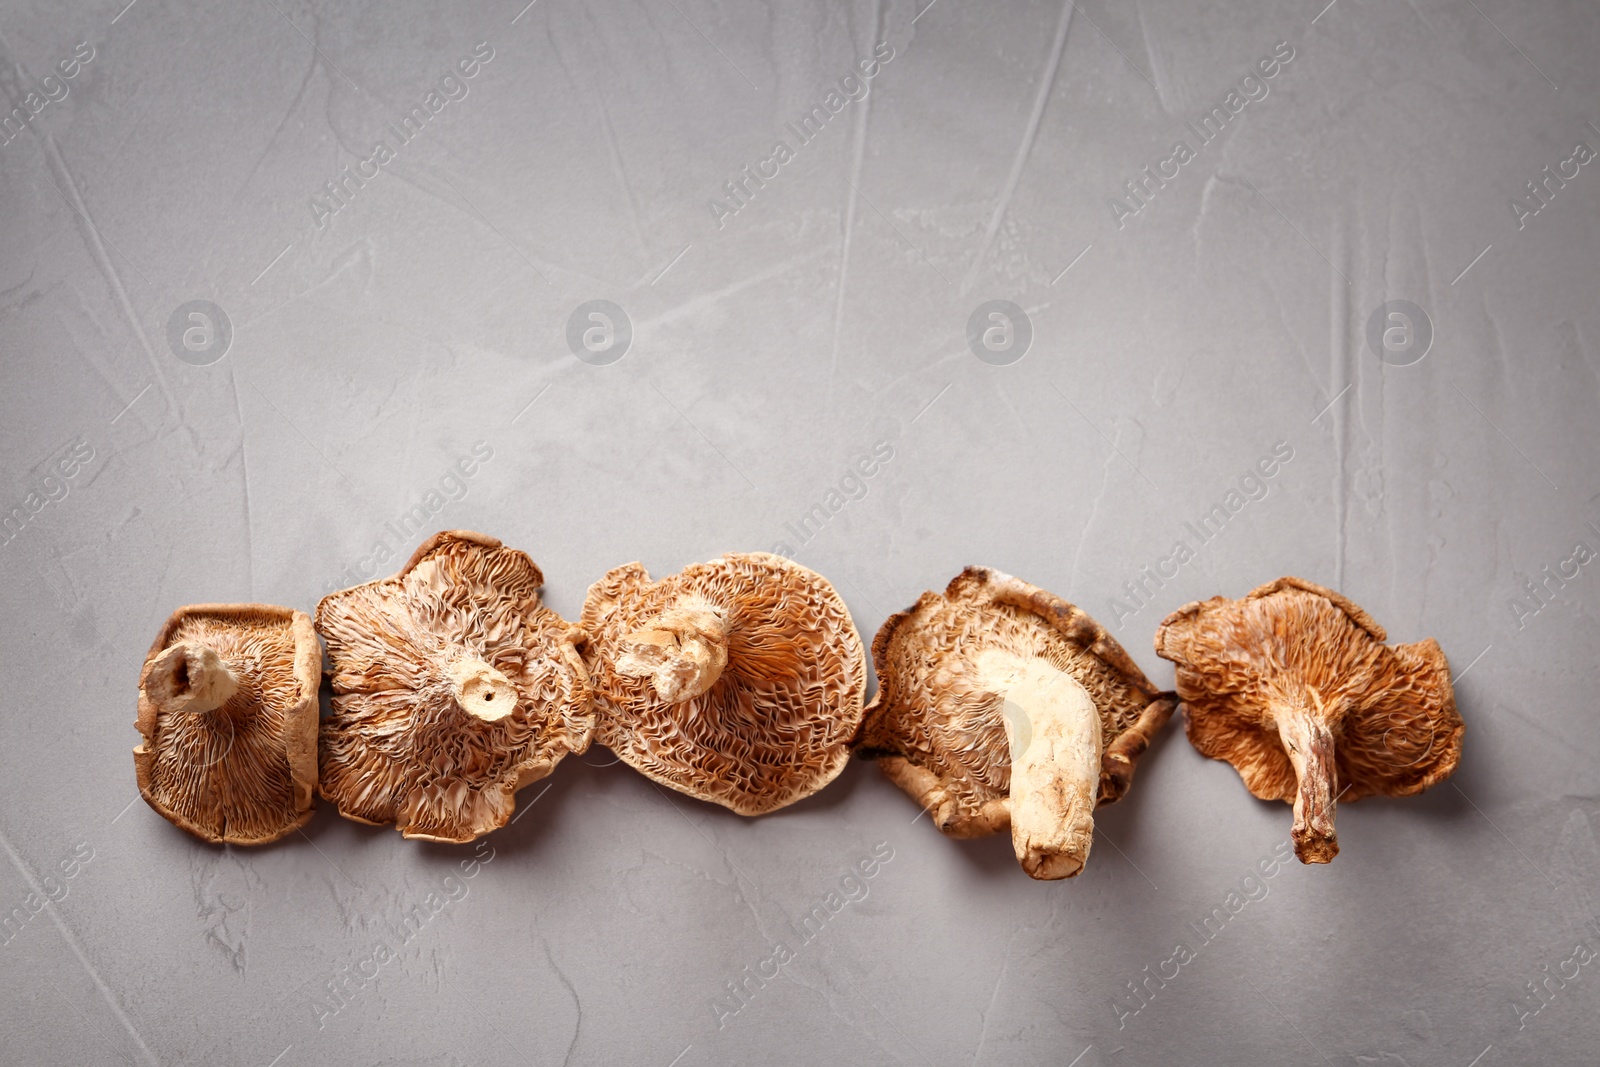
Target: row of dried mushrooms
(743,681)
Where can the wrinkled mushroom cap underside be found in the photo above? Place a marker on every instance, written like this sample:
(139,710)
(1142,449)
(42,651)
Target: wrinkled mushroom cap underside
(399,748)
(933,708)
(245,772)
(775,727)
(1391,709)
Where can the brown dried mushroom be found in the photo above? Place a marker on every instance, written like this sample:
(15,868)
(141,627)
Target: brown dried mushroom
(738,681)
(228,710)
(1294,686)
(1001,705)
(453,688)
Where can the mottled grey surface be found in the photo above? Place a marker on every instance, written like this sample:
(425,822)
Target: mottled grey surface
(777,338)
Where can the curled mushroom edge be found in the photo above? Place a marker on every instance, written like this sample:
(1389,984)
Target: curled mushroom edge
(1295,687)
(739,681)
(1001,705)
(453,688)
(227,714)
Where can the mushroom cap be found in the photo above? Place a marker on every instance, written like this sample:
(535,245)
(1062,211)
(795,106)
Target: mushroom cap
(1391,709)
(932,706)
(242,772)
(461,623)
(776,723)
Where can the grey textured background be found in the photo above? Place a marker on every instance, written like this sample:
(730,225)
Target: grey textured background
(772,349)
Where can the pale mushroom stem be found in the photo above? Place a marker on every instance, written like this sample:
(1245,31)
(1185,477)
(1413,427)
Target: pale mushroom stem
(1310,746)
(682,651)
(190,678)
(1054,733)
(481,690)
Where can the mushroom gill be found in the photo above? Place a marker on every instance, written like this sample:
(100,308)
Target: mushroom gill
(1000,705)
(453,688)
(739,681)
(1294,686)
(228,713)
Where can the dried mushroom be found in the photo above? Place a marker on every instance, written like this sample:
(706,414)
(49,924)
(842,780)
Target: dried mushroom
(1294,686)
(738,681)
(453,688)
(1001,705)
(228,710)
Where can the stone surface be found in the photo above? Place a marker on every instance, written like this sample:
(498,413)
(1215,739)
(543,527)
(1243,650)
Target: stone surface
(530,319)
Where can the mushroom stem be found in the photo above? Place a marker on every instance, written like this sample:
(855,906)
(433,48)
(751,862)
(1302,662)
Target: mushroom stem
(1309,743)
(481,690)
(1054,732)
(682,651)
(189,678)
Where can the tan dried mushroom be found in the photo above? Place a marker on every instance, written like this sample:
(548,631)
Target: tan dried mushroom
(228,710)
(1294,686)
(453,688)
(738,681)
(1001,705)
